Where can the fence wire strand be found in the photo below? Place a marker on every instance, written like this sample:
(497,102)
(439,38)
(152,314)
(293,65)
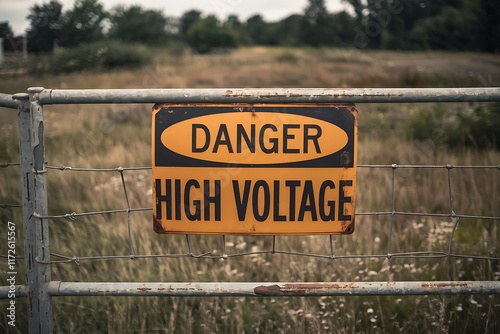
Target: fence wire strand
(330,253)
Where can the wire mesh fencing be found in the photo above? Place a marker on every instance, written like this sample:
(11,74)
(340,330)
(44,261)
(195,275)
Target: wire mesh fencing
(445,230)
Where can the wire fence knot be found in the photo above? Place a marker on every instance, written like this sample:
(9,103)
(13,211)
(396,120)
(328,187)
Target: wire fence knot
(76,260)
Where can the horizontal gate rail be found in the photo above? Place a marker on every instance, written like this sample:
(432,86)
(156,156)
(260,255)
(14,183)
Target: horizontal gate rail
(273,289)
(255,96)
(264,289)
(269,95)
(7,101)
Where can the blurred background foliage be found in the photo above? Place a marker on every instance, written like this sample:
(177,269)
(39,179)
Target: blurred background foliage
(383,24)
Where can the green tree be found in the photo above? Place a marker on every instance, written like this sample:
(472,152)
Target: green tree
(83,23)
(427,24)
(345,23)
(452,29)
(257,30)
(379,22)
(459,25)
(208,34)
(358,6)
(5,30)
(188,19)
(135,24)
(236,27)
(315,12)
(319,28)
(290,30)
(407,16)
(45,26)
(489,33)
(233,21)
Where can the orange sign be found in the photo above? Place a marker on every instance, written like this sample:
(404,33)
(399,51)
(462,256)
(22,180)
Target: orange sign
(267,169)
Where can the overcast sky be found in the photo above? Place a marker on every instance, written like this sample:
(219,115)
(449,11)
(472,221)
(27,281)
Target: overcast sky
(15,11)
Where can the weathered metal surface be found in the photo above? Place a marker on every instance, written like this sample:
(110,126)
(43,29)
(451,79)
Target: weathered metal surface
(266,289)
(7,101)
(270,95)
(19,291)
(28,200)
(378,288)
(36,229)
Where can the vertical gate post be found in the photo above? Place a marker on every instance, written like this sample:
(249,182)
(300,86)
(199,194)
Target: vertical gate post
(36,230)
(26,161)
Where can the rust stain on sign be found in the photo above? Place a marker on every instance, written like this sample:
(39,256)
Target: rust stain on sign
(157,227)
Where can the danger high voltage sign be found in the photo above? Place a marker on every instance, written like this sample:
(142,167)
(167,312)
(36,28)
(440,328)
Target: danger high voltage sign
(271,169)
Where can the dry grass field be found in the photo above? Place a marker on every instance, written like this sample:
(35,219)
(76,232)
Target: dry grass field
(108,136)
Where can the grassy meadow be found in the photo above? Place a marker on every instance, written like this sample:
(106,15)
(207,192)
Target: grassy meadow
(108,136)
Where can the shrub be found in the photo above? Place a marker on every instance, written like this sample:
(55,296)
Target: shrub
(287,56)
(475,125)
(98,56)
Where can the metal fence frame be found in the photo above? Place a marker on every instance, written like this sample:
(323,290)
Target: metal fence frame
(39,288)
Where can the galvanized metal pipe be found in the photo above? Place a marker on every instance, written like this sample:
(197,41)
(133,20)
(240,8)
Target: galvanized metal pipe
(7,101)
(28,198)
(38,269)
(262,289)
(19,291)
(269,95)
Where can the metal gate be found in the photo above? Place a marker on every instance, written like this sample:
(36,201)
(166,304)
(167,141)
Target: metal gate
(39,287)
